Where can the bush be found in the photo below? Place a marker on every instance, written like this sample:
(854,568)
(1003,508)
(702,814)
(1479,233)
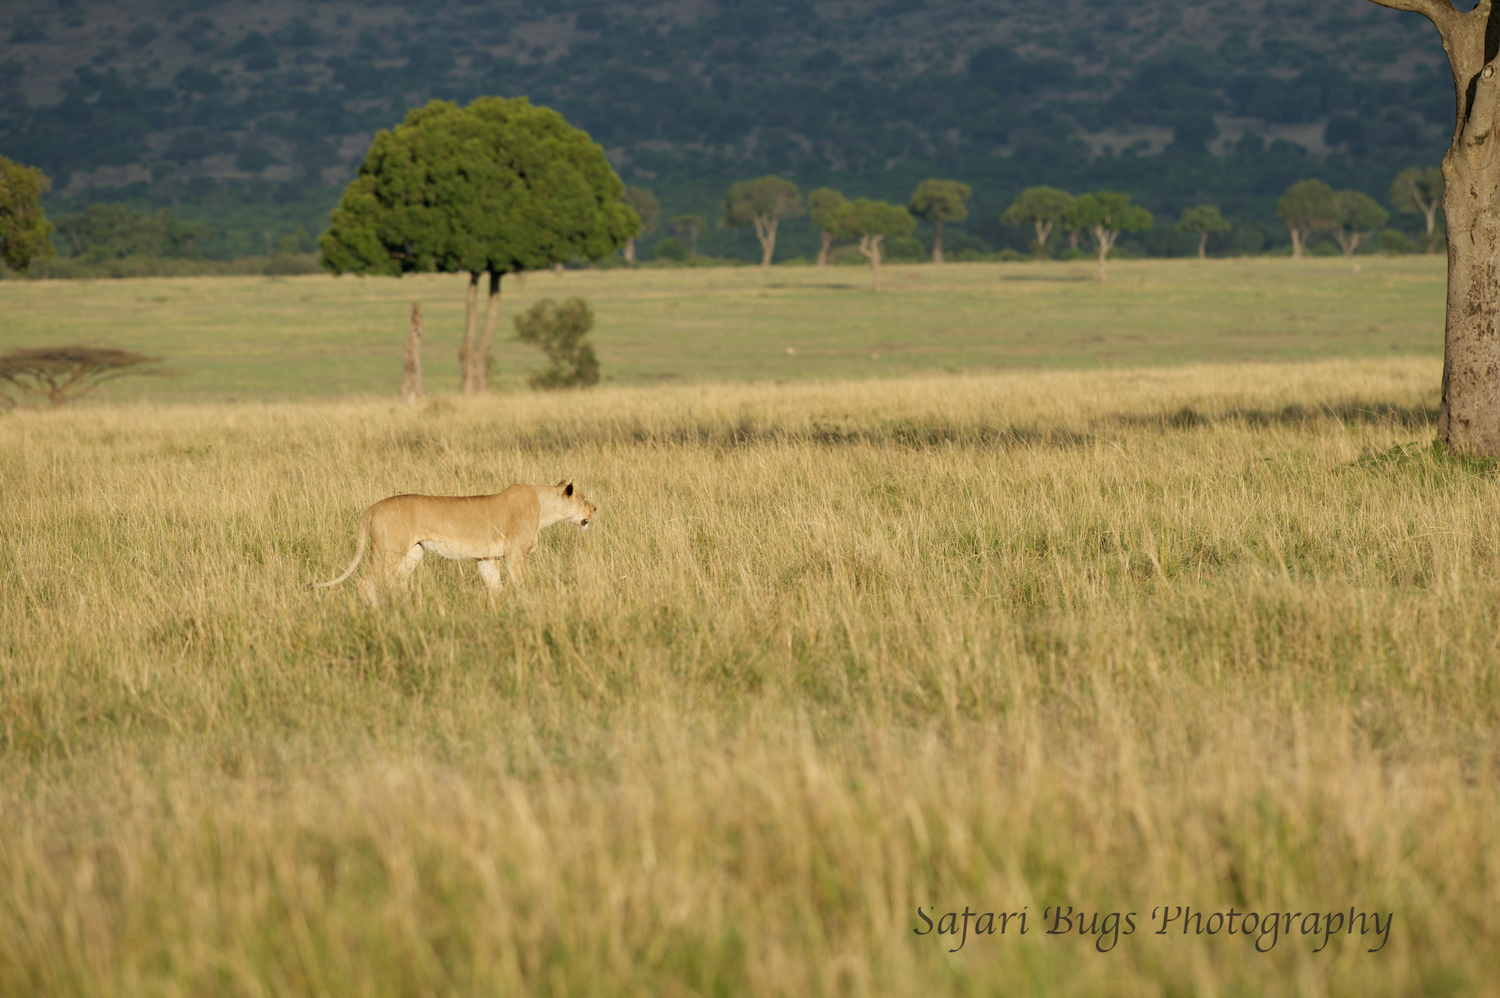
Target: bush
(903,249)
(671,248)
(1394,242)
(559,330)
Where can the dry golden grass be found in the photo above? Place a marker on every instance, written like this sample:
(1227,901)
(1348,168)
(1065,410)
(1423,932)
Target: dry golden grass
(1209,636)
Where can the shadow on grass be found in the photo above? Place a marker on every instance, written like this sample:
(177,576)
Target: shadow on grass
(1411,417)
(1431,462)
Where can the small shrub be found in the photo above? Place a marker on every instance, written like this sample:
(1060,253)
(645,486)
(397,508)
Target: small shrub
(560,331)
(1394,242)
(671,248)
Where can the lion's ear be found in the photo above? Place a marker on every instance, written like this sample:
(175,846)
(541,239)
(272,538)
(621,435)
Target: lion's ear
(560,484)
(568,489)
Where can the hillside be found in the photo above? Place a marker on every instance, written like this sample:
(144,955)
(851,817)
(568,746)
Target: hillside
(251,116)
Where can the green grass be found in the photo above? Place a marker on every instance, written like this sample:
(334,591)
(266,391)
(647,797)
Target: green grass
(320,337)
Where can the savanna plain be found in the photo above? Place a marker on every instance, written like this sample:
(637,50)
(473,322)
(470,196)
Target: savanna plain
(1001,590)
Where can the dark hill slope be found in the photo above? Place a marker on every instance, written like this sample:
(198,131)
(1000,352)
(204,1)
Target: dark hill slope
(251,115)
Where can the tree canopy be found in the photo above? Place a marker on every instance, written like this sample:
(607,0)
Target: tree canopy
(499,186)
(763,203)
(1307,208)
(25,233)
(1042,208)
(1203,219)
(940,201)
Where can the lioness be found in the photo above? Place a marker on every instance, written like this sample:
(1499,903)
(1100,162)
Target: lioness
(484,528)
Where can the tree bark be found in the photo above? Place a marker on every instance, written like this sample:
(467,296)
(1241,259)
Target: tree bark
(1348,242)
(630,250)
(478,380)
(411,374)
(471,327)
(937,243)
(1297,239)
(1469,416)
(1203,244)
(1106,238)
(827,245)
(869,245)
(765,231)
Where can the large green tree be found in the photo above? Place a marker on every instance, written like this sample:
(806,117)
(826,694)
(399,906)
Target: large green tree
(763,203)
(1355,214)
(940,201)
(1202,219)
(1307,208)
(1041,208)
(871,222)
(823,204)
(647,208)
(1107,214)
(1420,192)
(497,187)
(25,233)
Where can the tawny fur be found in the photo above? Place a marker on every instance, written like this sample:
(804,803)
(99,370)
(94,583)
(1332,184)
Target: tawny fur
(483,529)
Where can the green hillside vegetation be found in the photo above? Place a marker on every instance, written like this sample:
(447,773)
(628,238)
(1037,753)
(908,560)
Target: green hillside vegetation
(249,118)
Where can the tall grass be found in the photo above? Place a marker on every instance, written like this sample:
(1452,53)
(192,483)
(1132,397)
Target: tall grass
(1219,637)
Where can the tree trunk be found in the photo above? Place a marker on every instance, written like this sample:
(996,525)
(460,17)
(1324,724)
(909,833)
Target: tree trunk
(1106,238)
(870,247)
(1073,238)
(1203,245)
(411,373)
(1347,241)
(1297,238)
(765,231)
(471,327)
(937,243)
(1431,212)
(827,245)
(1469,416)
(630,250)
(477,381)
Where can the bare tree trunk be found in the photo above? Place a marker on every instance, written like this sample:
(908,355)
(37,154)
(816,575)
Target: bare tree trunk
(1347,241)
(937,243)
(479,379)
(411,373)
(1073,238)
(1297,240)
(765,231)
(1106,238)
(1469,417)
(823,251)
(471,326)
(1431,211)
(630,250)
(870,246)
(1203,245)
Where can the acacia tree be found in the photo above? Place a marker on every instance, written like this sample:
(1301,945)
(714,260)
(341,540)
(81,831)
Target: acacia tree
(1469,415)
(763,203)
(940,201)
(648,208)
(25,233)
(1307,208)
(1107,214)
(1042,208)
(1420,192)
(1356,214)
(870,222)
(1202,219)
(690,227)
(822,205)
(497,187)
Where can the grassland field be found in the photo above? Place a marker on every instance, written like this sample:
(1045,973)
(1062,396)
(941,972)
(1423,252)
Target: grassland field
(299,337)
(1123,634)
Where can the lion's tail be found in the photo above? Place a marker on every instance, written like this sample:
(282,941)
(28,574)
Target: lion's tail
(359,552)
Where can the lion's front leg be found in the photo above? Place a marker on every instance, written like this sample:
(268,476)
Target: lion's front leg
(489,571)
(515,563)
